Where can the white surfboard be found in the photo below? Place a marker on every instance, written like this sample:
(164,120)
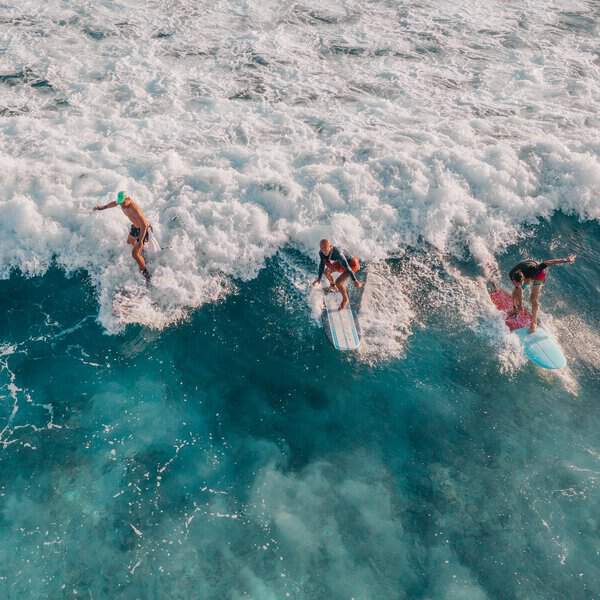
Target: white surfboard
(153,245)
(342,326)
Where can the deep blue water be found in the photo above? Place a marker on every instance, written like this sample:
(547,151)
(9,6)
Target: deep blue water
(237,455)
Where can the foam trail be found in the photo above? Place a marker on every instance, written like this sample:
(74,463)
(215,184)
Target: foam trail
(386,317)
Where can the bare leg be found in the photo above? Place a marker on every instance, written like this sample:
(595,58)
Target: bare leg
(137,256)
(536,290)
(341,283)
(329,277)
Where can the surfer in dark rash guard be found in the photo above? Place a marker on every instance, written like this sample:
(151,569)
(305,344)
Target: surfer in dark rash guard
(332,260)
(530,272)
(140,228)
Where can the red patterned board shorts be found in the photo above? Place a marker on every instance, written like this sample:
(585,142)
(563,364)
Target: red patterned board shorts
(337,267)
(541,276)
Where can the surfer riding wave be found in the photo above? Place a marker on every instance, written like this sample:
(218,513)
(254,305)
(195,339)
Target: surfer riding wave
(333,260)
(531,273)
(139,231)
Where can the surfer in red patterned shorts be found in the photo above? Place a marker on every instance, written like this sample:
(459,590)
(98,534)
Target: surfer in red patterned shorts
(332,261)
(530,272)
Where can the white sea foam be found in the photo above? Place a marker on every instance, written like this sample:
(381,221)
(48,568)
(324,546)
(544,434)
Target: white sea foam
(245,127)
(386,315)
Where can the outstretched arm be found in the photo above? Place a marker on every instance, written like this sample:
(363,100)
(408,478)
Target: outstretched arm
(143,232)
(105,206)
(560,261)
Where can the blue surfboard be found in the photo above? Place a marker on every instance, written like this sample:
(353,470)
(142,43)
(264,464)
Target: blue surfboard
(541,348)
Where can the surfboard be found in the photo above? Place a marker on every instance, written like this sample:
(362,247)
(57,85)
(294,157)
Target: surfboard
(153,245)
(540,347)
(342,327)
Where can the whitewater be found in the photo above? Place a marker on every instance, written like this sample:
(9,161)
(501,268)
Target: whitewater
(200,438)
(244,128)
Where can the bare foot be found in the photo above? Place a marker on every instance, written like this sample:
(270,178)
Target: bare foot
(343,304)
(532,328)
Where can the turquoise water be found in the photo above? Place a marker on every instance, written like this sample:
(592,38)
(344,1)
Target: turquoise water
(204,440)
(237,455)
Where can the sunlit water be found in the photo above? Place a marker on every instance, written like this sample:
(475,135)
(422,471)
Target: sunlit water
(208,442)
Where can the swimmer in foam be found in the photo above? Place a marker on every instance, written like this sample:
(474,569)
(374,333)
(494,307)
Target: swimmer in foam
(140,228)
(532,273)
(334,260)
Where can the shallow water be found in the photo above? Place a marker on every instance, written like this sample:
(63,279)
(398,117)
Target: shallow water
(208,442)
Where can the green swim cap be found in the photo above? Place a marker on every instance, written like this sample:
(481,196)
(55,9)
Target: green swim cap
(120,198)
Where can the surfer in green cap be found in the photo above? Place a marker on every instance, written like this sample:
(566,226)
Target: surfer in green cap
(140,228)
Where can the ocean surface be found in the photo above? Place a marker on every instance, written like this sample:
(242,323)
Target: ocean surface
(201,439)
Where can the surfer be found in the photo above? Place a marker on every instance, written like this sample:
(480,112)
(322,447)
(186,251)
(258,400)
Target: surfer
(139,231)
(333,260)
(530,272)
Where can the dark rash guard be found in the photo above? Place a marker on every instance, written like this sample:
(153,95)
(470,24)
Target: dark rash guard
(335,256)
(529,268)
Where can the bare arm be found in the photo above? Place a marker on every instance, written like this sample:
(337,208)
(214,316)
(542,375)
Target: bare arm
(143,232)
(517,298)
(105,206)
(560,261)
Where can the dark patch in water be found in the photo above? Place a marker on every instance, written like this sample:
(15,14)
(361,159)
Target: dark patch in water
(488,32)
(344,50)
(94,34)
(23,21)
(317,19)
(42,84)
(327,19)
(576,21)
(26,76)
(61,103)
(65,22)
(12,79)
(428,50)
(274,186)
(161,35)
(6,111)
(259,60)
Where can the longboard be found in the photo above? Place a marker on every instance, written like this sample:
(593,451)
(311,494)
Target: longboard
(342,327)
(540,347)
